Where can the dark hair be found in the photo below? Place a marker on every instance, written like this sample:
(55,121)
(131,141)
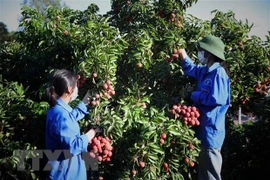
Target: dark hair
(60,81)
(223,64)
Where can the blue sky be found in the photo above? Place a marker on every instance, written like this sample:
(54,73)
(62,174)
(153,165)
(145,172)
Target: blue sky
(255,11)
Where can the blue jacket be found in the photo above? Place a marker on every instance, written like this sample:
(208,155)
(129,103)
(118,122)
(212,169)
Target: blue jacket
(212,97)
(63,136)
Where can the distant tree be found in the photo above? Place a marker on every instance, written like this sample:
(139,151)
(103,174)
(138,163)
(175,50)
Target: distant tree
(3,32)
(41,5)
(11,36)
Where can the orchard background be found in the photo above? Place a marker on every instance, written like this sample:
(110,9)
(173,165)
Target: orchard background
(128,58)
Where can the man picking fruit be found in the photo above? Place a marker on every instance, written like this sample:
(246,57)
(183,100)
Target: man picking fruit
(212,98)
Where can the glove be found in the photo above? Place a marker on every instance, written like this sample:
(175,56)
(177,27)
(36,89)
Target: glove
(91,134)
(98,129)
(86,98)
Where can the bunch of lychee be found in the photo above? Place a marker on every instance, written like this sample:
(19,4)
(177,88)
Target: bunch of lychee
(162,138)
(188,114)
(80,80)
(176,20)
(101,148)
(109,90)
(107,87)
(189,162)
(95,101)
(263,87)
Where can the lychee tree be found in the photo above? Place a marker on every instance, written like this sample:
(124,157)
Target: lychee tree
(82,41)
(21,128)
(149,83)
(149,65)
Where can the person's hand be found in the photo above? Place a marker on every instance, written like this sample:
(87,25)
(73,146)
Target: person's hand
(86,98)
(182,54)
(91,134)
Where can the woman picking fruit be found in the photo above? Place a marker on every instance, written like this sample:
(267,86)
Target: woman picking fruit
(62,128)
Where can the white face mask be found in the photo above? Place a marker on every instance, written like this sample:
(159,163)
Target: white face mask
(201,57)
(75,94)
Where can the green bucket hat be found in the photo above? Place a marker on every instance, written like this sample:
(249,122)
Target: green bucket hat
(214,45)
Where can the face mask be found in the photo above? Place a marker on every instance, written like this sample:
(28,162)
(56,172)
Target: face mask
(75,94)
(201,57)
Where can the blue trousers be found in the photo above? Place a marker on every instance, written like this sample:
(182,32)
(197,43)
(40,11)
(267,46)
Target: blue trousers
(209,164)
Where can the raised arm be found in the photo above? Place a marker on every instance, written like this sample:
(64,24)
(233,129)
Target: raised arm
(188,66)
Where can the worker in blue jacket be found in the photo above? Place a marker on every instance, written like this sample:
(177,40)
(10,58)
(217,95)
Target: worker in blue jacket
(212,98)
(63,137)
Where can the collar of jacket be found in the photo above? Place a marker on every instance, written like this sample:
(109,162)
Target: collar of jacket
(63,104)
(213,67)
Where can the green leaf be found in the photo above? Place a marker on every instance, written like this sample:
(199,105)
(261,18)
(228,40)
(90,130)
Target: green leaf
(173,131)
(156,148)
(40,43)
(152,157)
(33,175)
